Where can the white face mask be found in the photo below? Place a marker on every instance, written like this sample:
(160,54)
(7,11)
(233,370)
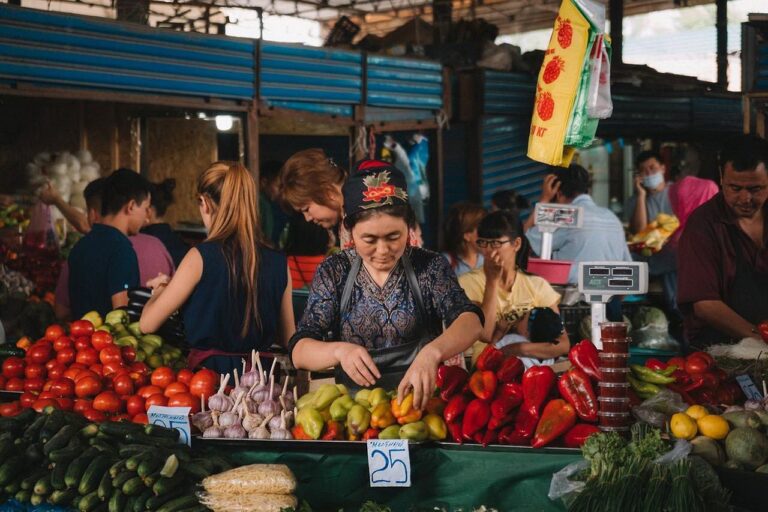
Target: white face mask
(653,181)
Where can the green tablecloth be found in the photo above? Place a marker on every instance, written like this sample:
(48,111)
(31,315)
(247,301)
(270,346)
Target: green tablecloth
(453,478)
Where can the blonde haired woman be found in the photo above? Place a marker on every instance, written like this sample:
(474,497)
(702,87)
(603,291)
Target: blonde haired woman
(233,290)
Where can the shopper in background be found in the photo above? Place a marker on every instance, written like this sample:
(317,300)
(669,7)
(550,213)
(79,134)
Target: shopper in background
(601,236)
(151,254)
(651,192)
(383,302)
(460,235)
(233,289)
(723,254)
(306,246)
(505,291)
(162,198)
(509,200)
(271,215)
(103,264)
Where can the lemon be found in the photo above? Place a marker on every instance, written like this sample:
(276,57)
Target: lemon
(683,426)
(713,426)
(697,411)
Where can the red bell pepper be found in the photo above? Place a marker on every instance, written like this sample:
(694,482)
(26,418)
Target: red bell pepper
(479,436)
(681,377)
(490,437)
(525,422)
(510,389)
(558,417)
(455,407)
(504,405)
(537,383)
(575,386)
(584,355)
(509,435)
(679,389)
(490,359)
(511,368)
(762,328)
(483,384)
(655,364)
(371,433)
(450,380)
(333,431)
(454,428)
(476,416)
(496,423)
(579,433)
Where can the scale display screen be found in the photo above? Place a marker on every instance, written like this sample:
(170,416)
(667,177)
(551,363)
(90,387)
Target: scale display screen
(621,271)
(608,279)
(599,271)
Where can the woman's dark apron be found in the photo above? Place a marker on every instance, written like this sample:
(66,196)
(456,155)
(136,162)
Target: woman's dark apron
(392,362)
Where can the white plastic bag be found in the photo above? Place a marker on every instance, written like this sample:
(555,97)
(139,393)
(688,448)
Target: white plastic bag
(562,486)
(599,102)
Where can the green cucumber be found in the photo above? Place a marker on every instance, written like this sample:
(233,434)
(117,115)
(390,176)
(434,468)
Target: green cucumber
(58,473)
(132,463)
(93,474)
(62,497)
(149,465)
(120,429)
(164,485)
(65,454)
(117,502)
(102,445)
(105,487)
(141,500)
(121,478)
(116,468)
(89,502)
(158,500)
(52,425)
(34,453)
(180,503)
(36,500)
(28,482)
(158,442)
(160,431)
(60,439)
(9,469)
(23,496)
(13,487)
(77,468)
(32,431)
(133,487)
(129,450)
(43,485)
(89,431)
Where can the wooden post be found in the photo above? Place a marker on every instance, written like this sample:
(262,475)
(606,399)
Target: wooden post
(721,24)
(617,31)
(252,140)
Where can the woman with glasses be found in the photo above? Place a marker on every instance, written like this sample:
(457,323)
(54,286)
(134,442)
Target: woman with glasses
(376,311)
(460,236)
(233,290)
(505,291)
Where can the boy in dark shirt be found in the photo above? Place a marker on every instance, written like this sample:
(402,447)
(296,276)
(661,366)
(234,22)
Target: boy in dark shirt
(103,264)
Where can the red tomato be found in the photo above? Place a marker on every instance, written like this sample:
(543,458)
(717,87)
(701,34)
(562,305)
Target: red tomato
(123,384)
(81,328)
(128,353)
(140,367)
(65,403)
(174,388)
(53,332)
(162,376)
(120,417)
(107,401)
(41,403)
(141,379)
(87,386)
(63,342)
(40,353)
(10,408)
(62,387)
(79,366)
(707,357)
(156,399)
(677,361)
(2,382)
(56,371)
(185,376)
(50,364)
(101,339)
(14,384)
(81,404)
(87,356)
(204,383)
(114,368)
(140,418)
(94,415)
(110,354)
(66,356)
(83,342)
(46,395)
(135,405)
(26,399)
(185,400)
(33,371)
(97,369)
(696,364)
(13,367)
(72,373)
(147,391)
(34,384)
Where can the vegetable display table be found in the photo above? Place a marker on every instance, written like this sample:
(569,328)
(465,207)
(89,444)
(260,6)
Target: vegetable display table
(445,475)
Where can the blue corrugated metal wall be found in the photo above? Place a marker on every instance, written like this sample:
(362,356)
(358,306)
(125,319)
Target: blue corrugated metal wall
(404,83)
(45,48)
(761,70)
(510,94)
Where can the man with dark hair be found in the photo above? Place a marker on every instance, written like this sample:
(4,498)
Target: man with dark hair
(601,237)
(651,193)
(103,264)
(723,255)
(273,218)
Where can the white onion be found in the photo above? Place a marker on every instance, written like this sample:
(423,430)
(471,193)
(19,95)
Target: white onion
(84,156)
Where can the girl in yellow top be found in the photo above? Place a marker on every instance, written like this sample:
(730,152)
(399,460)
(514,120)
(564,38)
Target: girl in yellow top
(504,291)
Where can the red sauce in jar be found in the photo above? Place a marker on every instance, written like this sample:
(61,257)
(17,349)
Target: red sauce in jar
(613,390)
(615,375)
(608,404)
(613,330)
(614,419)
(611,360)
(615,346)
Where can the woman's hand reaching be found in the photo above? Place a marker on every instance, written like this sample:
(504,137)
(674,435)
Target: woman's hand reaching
(420,378)
(357,364)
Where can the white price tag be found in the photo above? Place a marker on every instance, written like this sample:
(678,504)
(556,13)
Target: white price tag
(748,387)
(389,463)
(172,417)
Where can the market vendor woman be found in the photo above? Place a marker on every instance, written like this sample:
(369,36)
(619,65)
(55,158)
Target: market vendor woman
(376,311)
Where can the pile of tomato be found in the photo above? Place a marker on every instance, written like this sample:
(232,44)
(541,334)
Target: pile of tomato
(84,371)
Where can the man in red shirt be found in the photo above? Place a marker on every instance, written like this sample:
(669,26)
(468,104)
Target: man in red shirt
(723,255)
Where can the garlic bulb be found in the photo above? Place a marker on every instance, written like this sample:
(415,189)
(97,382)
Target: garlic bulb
(236,431)
(261,431)
(239,390)
(282,421)
(213,432)
(252,421)
(254,376)
(203,419)
(269,406)
(220,402)
(231,417)
(281,432)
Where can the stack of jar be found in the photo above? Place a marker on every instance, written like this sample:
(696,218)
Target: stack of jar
(614,413)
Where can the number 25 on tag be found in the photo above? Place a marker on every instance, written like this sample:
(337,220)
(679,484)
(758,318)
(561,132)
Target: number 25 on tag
(389,463)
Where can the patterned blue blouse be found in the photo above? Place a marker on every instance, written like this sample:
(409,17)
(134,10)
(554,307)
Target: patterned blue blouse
(382,317)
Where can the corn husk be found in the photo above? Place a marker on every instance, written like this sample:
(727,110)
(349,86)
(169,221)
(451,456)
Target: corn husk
(252,479)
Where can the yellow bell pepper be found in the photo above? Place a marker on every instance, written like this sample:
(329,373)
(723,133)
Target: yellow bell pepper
(382,416)
(436,427)
(404,411)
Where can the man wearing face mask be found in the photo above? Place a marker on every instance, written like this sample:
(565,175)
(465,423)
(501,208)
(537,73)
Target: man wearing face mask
(723,255)
(651,192)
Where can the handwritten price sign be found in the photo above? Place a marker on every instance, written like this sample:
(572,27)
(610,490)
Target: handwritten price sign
(389,463)
(172,417)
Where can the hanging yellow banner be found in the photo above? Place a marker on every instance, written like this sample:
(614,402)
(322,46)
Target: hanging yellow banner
(558,85)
